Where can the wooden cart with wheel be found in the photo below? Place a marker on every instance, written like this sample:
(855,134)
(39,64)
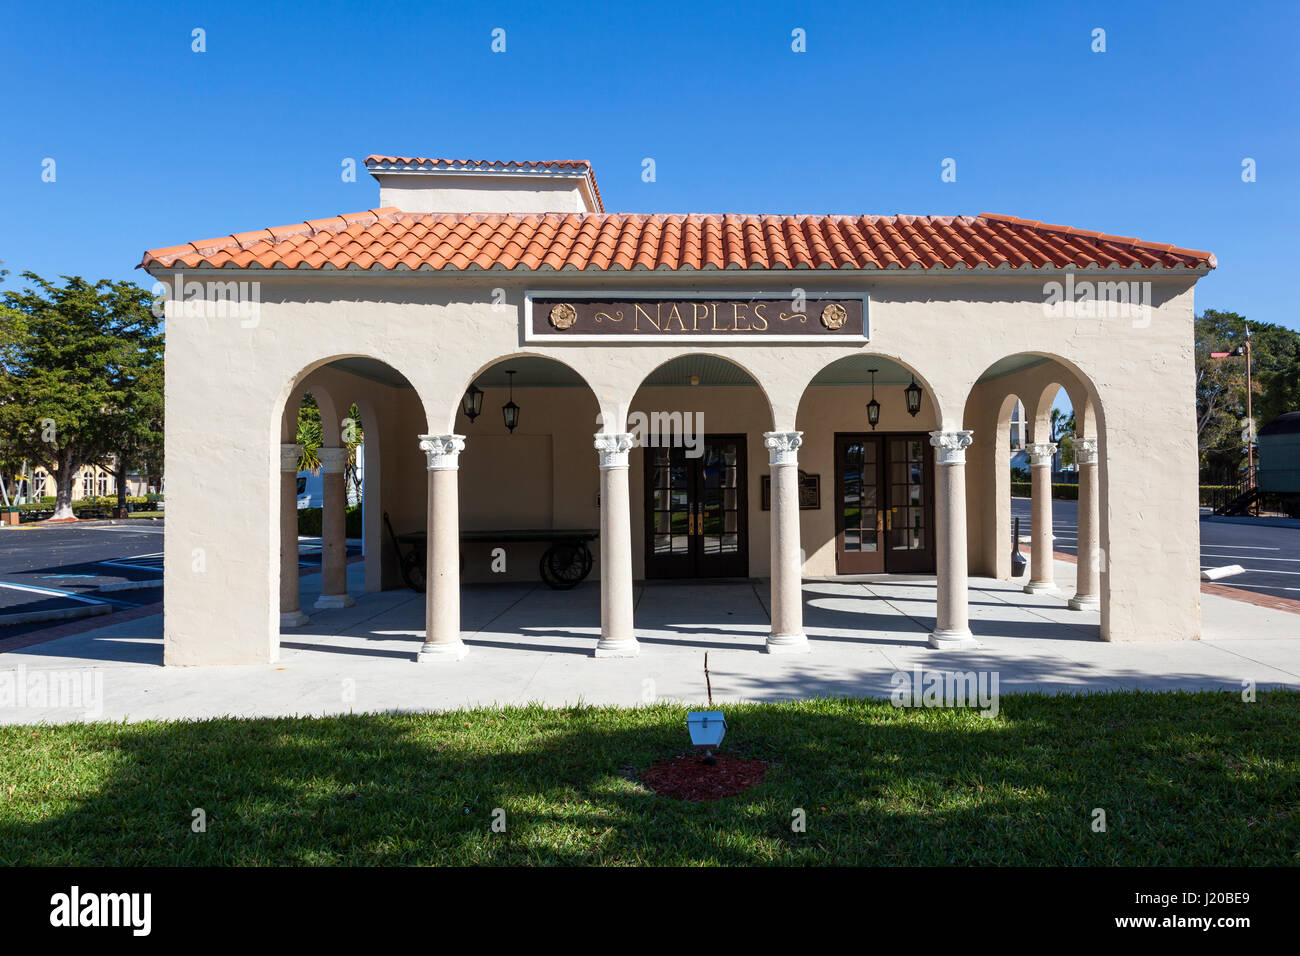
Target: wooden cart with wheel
(564,565)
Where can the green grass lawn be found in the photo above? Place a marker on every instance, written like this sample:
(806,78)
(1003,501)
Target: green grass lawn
(1183,779)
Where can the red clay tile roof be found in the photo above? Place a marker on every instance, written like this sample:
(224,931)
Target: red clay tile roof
(391,240)
(382,163)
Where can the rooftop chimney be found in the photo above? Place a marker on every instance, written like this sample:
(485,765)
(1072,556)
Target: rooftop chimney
(468,185)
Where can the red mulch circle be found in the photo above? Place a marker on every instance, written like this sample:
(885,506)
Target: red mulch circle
(689,778)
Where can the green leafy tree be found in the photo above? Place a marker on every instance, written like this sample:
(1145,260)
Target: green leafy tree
(75,359)
(1221,420)
(133,428)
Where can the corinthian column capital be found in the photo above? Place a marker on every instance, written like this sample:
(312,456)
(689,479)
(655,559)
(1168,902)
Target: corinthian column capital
(613,448)
(442,451)
(783,447)
(950,447)
(1086,450)
(1040,453)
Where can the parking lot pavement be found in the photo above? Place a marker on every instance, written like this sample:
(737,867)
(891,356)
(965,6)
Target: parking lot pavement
(1269,555)
(51,574)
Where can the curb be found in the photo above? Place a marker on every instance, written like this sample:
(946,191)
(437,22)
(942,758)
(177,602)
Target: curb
(56,614)
(130,586)
(1224,591)
(75,627)
(1257,522)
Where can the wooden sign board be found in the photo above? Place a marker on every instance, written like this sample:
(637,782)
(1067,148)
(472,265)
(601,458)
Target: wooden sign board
(557,317)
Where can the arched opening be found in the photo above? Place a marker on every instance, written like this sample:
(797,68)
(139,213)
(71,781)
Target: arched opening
(1011,440)
(529,491)
(349,457)
(698,471)
(1037,430)
(876,505)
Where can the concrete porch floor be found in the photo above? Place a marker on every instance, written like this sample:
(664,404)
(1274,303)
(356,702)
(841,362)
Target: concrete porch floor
(529,643)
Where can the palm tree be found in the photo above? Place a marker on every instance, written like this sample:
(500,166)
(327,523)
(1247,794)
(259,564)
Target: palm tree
(311,437)
(1063,427)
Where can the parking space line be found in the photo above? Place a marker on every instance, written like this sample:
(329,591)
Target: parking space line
(1250,557)
(53,592)
(1240,547)
(135,567)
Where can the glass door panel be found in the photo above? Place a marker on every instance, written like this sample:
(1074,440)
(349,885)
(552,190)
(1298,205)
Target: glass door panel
(857,500)
(883,503)
(696,510)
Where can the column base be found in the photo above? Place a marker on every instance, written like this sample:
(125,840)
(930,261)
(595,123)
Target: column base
(1040,587)
(953,640)
(624,647)
(292,619)
(333,601)
(787,644)
(1085,602)
(446,652)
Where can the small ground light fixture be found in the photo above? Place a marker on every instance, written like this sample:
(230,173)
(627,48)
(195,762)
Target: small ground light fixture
(707,727)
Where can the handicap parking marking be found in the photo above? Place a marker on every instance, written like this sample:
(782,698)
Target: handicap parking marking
(121,564)
(55,592)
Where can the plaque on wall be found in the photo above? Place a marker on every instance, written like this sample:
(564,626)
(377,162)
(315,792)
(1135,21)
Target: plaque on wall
(810,492)
(639,316)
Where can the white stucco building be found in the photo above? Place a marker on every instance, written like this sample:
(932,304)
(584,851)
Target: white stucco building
(748,345)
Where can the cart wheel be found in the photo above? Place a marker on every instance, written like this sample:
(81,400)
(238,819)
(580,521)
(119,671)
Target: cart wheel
(564,565)
(413,570)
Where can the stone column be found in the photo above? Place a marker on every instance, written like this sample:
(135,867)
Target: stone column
(290,614)
(617,635)
(787,636)
(1040,559)
(1087,591)
(952,602)
(442,640)
(333,530)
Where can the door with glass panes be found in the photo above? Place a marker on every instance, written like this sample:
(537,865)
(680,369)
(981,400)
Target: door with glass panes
(884,501)
(696,510)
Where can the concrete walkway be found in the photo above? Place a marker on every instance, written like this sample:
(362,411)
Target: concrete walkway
(528,643)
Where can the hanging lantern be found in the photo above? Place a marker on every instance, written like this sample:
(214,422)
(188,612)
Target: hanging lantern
(510,411)
(873,406)
(472,403)
(913,393)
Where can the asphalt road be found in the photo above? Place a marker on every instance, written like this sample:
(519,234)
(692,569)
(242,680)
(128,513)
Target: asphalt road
(1271,556)
(54,567)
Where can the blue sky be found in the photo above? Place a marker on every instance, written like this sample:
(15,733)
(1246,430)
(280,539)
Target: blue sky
(155,144)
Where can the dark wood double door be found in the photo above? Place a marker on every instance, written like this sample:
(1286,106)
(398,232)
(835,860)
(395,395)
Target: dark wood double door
(696,510)
(884,499)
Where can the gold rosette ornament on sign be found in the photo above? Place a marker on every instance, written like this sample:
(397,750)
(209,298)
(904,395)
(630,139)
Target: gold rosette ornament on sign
(834,316)
(563,316)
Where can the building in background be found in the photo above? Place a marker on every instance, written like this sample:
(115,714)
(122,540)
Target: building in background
(92,481)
